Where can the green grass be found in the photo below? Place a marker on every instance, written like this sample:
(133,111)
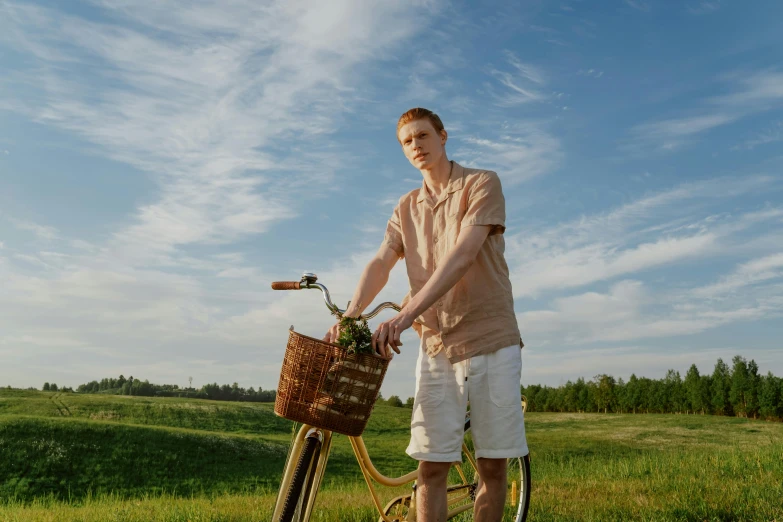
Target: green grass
(98,457)
(72,458)
(655,467)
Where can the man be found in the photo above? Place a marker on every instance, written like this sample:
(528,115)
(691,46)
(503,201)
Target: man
(450,233)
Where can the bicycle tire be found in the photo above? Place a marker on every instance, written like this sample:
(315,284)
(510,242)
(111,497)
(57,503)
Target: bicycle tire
(302,479)
(518,470)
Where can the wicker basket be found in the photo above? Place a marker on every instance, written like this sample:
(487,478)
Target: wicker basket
(323,385)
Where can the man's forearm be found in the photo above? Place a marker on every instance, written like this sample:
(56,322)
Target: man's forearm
(452,268)
(455,265)
(374,278)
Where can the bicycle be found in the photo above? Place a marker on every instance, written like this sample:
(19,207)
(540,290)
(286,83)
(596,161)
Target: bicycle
(309,453)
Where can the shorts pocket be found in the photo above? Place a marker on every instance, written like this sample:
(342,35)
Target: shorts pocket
(504,372)
(431,379)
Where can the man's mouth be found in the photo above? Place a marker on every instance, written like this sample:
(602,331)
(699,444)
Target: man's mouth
(420,156)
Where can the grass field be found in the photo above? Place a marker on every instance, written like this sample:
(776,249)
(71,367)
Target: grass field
(101,457)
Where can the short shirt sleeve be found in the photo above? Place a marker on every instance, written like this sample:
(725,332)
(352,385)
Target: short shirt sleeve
(393,237)
(486,204)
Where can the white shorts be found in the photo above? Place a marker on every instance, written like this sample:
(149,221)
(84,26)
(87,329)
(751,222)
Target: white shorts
(492,385)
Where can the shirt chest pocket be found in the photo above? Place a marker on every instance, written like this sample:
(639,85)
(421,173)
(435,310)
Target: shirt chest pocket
(453,226)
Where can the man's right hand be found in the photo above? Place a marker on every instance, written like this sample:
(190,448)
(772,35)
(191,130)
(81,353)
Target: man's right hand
(333,334)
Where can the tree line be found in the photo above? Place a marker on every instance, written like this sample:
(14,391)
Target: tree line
(54,387)
(736,390)
(137,387)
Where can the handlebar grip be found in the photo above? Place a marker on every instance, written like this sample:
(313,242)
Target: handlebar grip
(286,285)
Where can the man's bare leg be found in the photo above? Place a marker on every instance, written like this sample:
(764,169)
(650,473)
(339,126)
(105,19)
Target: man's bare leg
(431,505)
(491,495)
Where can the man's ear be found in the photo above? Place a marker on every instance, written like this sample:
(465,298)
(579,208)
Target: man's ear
(444,135)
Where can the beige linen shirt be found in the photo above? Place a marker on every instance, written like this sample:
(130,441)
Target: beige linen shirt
(476,316)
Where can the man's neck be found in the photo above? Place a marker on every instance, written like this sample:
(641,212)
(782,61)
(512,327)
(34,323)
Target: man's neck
(437,178)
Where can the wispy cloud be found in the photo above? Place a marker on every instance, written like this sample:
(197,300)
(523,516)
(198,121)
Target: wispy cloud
(756,91)
(654,231)
(521,150)
(522,82)
(520,153)
(752,93)
(704,7)
(41,231)
(601,261)
(592,73)
(525,70)
(420,89)
(630,311)
(555,41)
(673,133)
(772,135)
(680,227)
(640,5)
(32,260)
(624,313)
(761,270)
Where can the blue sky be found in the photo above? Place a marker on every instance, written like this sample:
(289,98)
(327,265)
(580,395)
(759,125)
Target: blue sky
(160,164)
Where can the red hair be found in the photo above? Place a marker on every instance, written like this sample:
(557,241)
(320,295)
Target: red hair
(418,113)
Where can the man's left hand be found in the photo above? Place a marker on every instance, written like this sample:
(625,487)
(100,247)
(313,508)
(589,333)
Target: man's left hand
(388,334)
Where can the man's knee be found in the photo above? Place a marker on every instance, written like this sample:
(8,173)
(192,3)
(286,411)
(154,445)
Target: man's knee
(433,471)
(492,471)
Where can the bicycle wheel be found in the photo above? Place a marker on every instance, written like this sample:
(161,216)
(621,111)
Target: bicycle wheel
(518,492)
(398,509)
(302,482)
(518,482)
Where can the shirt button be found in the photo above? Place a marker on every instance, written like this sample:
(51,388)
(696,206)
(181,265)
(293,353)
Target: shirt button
(436,239)
(440,303)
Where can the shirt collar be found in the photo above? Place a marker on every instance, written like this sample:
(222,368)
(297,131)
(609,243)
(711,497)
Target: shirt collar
(456,178)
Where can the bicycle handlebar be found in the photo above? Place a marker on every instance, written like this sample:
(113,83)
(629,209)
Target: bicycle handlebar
(309,282)
(285,285)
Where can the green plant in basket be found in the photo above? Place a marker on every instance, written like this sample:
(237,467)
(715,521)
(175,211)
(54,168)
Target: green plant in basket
(355,335)
(350,385)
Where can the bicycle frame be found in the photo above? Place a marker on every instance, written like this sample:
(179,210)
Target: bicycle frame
(326,445)
(369,472)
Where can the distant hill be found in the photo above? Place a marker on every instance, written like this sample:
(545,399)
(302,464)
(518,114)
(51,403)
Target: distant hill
(233,417)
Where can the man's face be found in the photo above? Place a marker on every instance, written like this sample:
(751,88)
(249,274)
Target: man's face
(422,145)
